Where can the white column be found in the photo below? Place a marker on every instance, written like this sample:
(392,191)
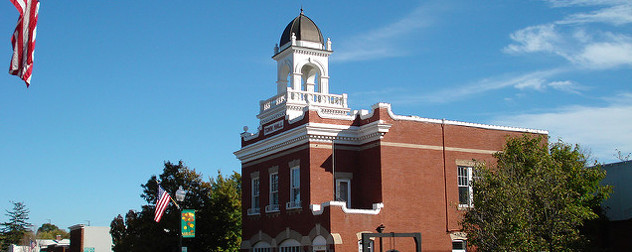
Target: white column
(296,81)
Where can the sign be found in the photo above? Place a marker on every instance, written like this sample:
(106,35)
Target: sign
(88,249)
(188,223)
(184,249)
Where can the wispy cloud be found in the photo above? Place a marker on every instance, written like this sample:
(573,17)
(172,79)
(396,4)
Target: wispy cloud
(538,80)
(381,42)
(600,129)
(570,38)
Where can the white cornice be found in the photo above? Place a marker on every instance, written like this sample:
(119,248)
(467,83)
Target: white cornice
(387,106)
(317,209)
(284,50)
(314,132)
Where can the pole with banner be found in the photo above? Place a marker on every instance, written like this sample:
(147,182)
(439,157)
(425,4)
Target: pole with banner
(188,223)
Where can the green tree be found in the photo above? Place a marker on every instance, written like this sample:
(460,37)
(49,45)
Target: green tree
(50,231)
(138,231)
(534,199)
(14,230)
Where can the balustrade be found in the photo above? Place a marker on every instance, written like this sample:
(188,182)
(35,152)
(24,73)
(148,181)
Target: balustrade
(304,97)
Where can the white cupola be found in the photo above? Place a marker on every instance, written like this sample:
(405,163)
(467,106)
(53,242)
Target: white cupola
(302,57)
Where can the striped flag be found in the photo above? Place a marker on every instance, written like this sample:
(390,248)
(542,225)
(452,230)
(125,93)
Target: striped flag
(32,245)
(23,39)
(161,203)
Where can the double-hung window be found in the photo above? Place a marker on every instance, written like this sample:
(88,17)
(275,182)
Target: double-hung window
(295,188)
(343,191)
(274,193)
(464,180)
(254,184)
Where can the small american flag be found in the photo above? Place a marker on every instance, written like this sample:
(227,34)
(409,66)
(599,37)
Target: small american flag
(161,203)
(32,245)
(23,39)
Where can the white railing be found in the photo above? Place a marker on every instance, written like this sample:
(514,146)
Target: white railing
(293,204)
(254,211)
(304,97)
(272,208)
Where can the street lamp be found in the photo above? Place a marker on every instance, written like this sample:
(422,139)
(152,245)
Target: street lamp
(180,194)
(380,229)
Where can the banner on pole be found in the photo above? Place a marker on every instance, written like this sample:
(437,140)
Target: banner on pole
(188,223)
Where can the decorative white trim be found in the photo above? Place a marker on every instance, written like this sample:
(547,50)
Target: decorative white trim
(254,211)
(293,205)
(272,208)
(317,209)
(314,132)
(436,147)
(387,106)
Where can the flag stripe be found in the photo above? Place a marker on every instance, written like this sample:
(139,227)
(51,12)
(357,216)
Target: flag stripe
(23,40)
(161,203)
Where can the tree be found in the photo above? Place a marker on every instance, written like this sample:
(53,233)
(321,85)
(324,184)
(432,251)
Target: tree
(534,199)
(14,230)
(215,225)
(622,156)
(50,231)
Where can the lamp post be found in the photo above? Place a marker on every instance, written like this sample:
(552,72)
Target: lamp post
(180,194)
(380,229)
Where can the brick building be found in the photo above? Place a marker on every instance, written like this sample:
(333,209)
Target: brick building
(317,175)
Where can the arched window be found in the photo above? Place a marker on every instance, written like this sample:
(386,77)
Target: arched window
(319,244)
(262,247)
(290,245)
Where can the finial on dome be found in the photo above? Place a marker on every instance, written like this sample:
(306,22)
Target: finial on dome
(301,9)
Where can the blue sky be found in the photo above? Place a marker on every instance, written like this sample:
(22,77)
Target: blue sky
(119,87)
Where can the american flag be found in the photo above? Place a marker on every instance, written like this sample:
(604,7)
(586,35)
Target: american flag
(23,39)
(161,203)
(32,245)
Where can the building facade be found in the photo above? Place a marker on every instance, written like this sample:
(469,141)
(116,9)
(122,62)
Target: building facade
(90,239)
(316,175)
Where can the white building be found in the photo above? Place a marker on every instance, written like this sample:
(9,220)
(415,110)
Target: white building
(90,239)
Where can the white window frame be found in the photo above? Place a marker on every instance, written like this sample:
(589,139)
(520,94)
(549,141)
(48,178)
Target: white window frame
(464,176)
(338,196)
(464,242)
(295,188)
(274,191)
(371,244)
(254,196)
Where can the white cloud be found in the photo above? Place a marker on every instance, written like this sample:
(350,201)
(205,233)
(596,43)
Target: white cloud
(616,15)
(600,129)
(540,38)
(534,80)
(578,43)
(566,86)
(380,43)
(605,55)
(537,84)
(568,3)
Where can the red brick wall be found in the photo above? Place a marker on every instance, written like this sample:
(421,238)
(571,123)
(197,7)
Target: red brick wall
(416,184)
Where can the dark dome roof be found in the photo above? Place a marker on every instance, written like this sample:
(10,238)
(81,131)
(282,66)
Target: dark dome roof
(304,29)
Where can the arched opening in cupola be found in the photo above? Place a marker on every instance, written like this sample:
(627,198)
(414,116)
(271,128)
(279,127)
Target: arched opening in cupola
(310,78)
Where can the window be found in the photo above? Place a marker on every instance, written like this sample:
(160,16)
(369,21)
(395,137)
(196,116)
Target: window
(343,191)
(464,180)
(254,182)
(290,245)
(370,249)
(291,249)
(274,193)
(459,246)
(295,188)
(262,247)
